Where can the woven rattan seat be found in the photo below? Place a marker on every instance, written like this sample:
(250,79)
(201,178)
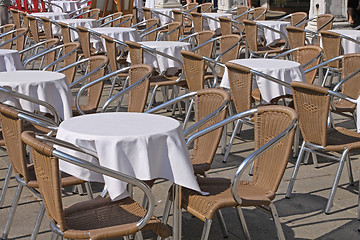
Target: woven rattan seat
(98,218)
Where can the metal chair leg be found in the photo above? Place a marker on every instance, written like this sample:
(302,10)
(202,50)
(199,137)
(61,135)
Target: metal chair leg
(238,125)
(315,161)
(349,169)
(12,211)
(336,181)
(222,224)
(5,185)
(138,236)
(296,169)
(306,158)
(152,97)
(188,113)
(206,229)
(243,222)
(223,140)
(38,222)
(89,190)
(278,227)
(296,142)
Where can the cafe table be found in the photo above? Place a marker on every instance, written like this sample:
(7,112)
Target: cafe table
(82,22)
(284,70)
(165,15)
(272,37)
(145,146)
(52,15)
(10,60)
(66,6)
(210,24)
(50,87)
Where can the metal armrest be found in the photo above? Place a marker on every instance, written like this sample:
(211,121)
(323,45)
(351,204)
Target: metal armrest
(53,4)
(61,58)
(83,78)
(44,51)
(12,39)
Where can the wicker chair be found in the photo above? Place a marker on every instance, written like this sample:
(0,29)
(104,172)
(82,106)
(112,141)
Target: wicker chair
(16,17)
(150,25)
(194,69)
(323,22)
(206,7)
(197,19)
(47,27)
(185,20)
(251,32)
(296,37)
(36,35)
(295,19)
(119,218)
(259,13)
(92,13)
(84,39)
(312,104)
(205,50)
(270,159)
(13,126)
(147,13)
(9,36)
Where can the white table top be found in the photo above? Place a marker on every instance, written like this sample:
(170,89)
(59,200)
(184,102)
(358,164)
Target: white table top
(150,3)
(47,86)
(51,15)
(146,146)
(171,48)
(271,36)
(285,70)
(83,22)
(67,6)
(163,19)
(349,46)
(212,24)
(10,60)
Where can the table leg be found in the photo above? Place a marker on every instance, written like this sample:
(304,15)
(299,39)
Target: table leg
(177,212)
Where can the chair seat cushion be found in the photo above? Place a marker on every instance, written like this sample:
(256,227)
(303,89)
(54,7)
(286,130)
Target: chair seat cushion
(338,138)
(343,106)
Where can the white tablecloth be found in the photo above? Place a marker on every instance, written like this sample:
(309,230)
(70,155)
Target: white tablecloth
(212,24)
(52,15)
(272,37)
(50,87)
(348,46)
(285,70)
(171,48)
(146,146)
(163,19)
(83,22)
(150,3)
(119,33)
(67,6)
(10,60)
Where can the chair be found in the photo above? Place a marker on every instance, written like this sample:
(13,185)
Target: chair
(272,152)
(12,124)
(150,24)
(312,103)
(323,22)
(169,32)
(197,19)
(101,217)
(92,13)
(251,32)
(229,26)
(125,21)
(295,19)
(36,35)
(65,32)
(259,13)
(194,70)
(6,34)
(206,7)
(84,39)
(47,27)
(147,13)
(16,17)
(296,37)
(126,7)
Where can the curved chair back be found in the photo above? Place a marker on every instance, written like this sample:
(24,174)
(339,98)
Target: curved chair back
(65,32)
(297,18)
(242,10)
(225,26)
(126,20)
(304,55)
(7,28)
(84,39)
(16,17)
(191,6)
(325,22)
(92,13)
(47,27)
(202,37)
(68,47)
(197,19)
(150,25)
(331,43)
(136,52)
(259,13)
(34,28)
(351,63)
(251,34)
(194,69)
(206,7)
(174,28)
(296,36)
(147,13)
(227,42)
(115,16)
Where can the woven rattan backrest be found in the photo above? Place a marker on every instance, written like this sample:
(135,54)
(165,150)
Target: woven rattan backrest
(194,69)
(296,36)
(16,17)
(207,101)
(206,7)
(34,28)
(25,21)
(116,15)
(174,36)
(8,27)
(127,20)
(138,95)
(240,81)
(227,42)
(269,168)
(84,38)
(197,19)
(258,11)
(202,37)
(20,41)
(65,32)
(312,104)
(12,127)
(241,10)
(306,54)
(136,52)
(68,47)
(225,26)
(325,19)
(47,27)
(50,57)
(178,17)
(94,92)
(47,174)
(94,13)
(351,63)
(191,6)
(151,24)
(331,43)
(147,13)
(297,18)
(251,34)
(111,52)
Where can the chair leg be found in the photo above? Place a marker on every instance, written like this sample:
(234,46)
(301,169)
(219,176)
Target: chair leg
(306,158)
(12,211)
(349,169)
(243,222)
(222,224)
(358,215)
(278,227)
(206,229)
(5,185)
(89,190)
(296,169)
(223,140)
(238,125)
(39,219)
(138,236)
(166,213)
(336,181)
(152,97)
(188,113)
(325,77)
(296,142)
(315,161)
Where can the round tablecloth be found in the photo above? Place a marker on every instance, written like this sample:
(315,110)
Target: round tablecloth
(272,37)
(348,46)
(50,87)
(150,3)
(119,33)
(52,15)
(67,6)
(285,70)
(83,22)
(163,19)
(10,60)
(146,146)
(171,48)
(212,24)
